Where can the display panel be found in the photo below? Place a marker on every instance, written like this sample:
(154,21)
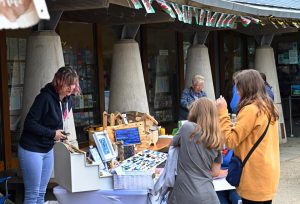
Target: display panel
(295,90)
(129,136)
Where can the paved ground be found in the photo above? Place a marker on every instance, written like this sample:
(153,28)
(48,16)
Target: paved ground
(289,186)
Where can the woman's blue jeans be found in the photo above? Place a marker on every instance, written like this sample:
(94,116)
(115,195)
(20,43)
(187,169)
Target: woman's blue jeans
(37,169)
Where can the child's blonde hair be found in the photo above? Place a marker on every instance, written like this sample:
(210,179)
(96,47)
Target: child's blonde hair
(204,113)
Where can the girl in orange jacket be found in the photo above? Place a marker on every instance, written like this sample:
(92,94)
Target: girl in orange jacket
(260,176)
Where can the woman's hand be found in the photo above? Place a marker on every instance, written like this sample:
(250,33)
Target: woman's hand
(59,135)
(221,103)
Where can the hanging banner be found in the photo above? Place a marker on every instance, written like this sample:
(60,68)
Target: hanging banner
(178,11)
(196,15)
(219,22)
(148,7)
(208,17)
(201,17)
(22,13)
(166,8)
(136,4)
(245,21)
(214,18)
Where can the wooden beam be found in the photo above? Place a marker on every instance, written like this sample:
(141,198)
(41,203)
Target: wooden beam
(5,102)
(67,5)
(100,66)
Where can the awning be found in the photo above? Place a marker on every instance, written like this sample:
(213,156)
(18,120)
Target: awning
(278,9)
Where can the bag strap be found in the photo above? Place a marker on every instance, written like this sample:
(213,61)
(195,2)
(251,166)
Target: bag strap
(256,144)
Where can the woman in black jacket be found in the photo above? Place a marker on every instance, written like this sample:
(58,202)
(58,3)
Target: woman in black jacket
(43,125)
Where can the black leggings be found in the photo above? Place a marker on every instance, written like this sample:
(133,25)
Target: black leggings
(245,201)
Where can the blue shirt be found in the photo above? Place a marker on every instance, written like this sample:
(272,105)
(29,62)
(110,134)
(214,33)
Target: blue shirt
(236,98)
(188,96)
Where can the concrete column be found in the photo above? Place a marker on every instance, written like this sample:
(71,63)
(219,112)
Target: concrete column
(127,86)
(265,62)
(44,57)
(198,63)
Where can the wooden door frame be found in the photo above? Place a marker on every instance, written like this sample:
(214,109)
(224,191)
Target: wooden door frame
(5,103)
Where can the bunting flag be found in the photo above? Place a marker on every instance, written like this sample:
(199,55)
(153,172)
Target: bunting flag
(136,4)
(282,23)
(196,15)
(185,13)
(231,21)
(221,18)
(245,21)
(178,11)
(190,14)
(296,24)
(214,18)
(166,8)
(201,17)
(148,7)
(225,21)
(253,20)
(208,17)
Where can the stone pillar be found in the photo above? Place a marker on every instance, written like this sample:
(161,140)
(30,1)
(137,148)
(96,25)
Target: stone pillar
(265,62)
(127,86)
(198,63)
(44,57)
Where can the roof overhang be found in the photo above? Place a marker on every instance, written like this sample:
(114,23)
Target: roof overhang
(257,10)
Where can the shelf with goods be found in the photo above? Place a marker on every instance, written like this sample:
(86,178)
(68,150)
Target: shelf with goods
(84,106)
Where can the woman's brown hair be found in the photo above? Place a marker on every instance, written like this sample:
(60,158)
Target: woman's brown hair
(66,76)
(204,113)
(251,88)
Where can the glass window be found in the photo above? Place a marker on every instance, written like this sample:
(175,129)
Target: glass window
(79,52)
(16,53)
(162,78)
(251,52)
(232,60)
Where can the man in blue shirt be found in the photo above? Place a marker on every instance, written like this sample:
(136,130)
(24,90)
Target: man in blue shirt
(189,95)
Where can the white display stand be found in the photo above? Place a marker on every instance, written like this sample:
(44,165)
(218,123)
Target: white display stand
(102,196)
(74,174)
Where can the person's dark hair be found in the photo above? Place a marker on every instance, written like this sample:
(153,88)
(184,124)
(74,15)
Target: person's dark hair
(66,76)
(263,76)
(251,88)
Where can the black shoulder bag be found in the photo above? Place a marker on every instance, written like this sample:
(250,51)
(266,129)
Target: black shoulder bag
(236,166)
